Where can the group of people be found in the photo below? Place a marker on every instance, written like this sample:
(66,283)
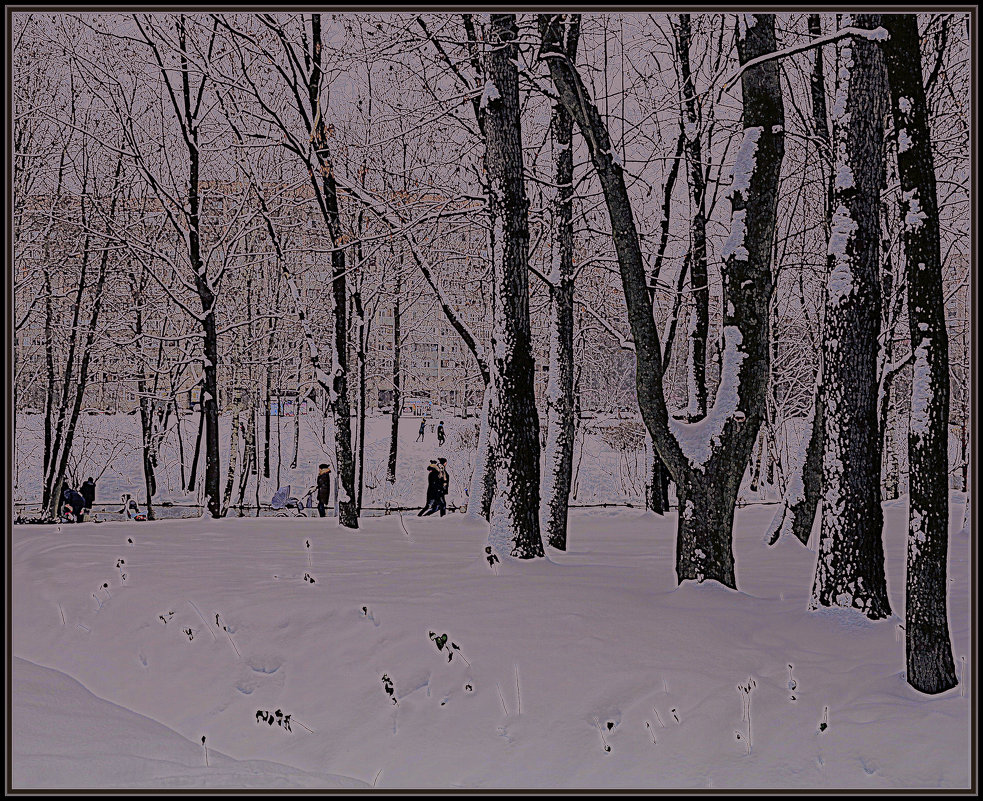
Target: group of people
(77,504)
(438,483)
(423,430)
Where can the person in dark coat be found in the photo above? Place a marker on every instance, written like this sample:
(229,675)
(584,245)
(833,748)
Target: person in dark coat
(445,484)
(423,430)
(434,485)
(72,505)
(323,488)
(88,492)
(440,434)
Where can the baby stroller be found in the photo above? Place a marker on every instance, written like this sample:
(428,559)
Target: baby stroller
(284,504)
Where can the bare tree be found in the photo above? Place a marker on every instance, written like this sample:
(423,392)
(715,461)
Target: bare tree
(707,459)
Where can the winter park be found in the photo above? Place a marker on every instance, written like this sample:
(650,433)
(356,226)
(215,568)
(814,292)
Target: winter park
(469,401)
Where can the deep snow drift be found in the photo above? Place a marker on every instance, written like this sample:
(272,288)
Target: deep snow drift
(556,662)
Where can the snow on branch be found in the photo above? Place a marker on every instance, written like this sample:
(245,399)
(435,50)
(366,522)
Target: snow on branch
(872,34)
(697,440)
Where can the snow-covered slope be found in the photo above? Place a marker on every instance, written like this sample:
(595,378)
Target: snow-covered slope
(556,659)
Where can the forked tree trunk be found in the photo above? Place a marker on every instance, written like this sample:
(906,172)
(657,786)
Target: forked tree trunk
(722,444)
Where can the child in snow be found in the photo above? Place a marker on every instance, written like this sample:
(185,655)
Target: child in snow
(72,505)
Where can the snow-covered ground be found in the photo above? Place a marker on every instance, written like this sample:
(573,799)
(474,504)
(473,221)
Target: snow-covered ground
(602,474)
(558,660)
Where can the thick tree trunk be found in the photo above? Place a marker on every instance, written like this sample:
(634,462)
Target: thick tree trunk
(515,422)
(558,472)
(725,442)
(850,565)
(929,652)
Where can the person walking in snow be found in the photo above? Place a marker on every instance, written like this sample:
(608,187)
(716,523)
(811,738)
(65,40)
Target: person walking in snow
(440,434)
(88,493)
(445,484)
(323,488)
(423,430)
(434,485)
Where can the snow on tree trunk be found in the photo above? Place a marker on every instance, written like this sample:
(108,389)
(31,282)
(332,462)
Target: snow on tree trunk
(930,666)
(481,490)
(717,449)
(722,442)
(697,367)
(514,419)
(850,564)
(338,380)
(558,458)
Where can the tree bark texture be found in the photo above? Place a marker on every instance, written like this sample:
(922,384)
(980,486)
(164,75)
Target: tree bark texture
(930,666)
(850,564)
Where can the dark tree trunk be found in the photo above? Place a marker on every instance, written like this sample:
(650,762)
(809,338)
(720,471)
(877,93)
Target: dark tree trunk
(328,190)
(268,399)
(698,231)
(68,414)
(206,294)
(850,566)
(146,413)
(558,473)
(515,421)
(704,549)
(657,486)
(803,501)
(929,652)
(362,335)
(397,390)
